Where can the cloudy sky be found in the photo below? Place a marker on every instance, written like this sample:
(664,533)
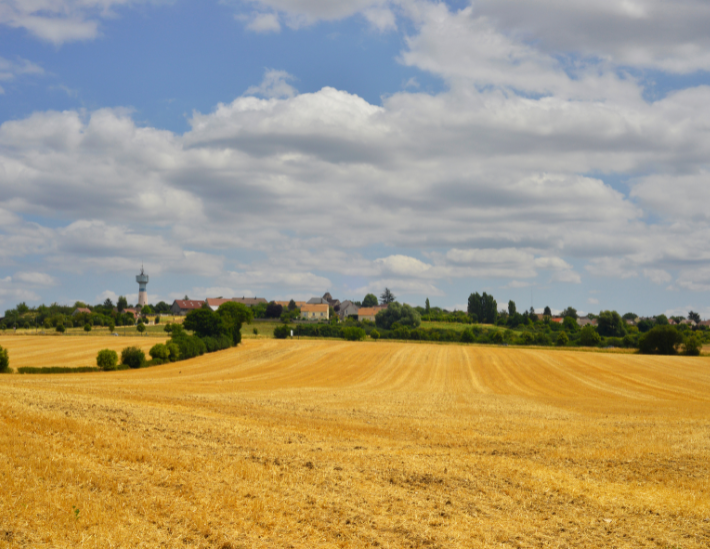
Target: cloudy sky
(553,152)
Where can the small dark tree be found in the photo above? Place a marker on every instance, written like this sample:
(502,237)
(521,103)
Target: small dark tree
(4,361)
(291,305)
(467,336)
(370,301)
(547,311)
(140,328)
(108,304)
(661,320)
(427,307)
(273,310)
(282,332)
(483,307)
(132,357)
(589,337)
(122,303)
(609,324)
(630,316)
(87,327)
(387,297)
(60,328)
(159,353)
(695,317)
(512,310)
(562,339)
(570,311)
(111,326)
(374,334)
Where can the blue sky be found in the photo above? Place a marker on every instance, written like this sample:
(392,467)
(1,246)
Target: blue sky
(284,148)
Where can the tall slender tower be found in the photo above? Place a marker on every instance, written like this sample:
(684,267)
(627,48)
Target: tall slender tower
(142,280)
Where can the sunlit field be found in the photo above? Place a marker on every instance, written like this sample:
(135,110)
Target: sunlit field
(332,444)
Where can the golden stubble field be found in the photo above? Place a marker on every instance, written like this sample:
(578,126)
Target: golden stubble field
(334,444)
(68,351)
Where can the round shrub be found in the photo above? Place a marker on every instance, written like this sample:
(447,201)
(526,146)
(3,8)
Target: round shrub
(526,338)
(282,332)
(107,359)
(87,327)
(467,336)
(173,351)
(354,334)
(374,334)
(132,357)
(141,327)
(159,352)
(497,337)
(60,328)
(111,326)
(157,320)
(4,361)
(562,339)
(256,331)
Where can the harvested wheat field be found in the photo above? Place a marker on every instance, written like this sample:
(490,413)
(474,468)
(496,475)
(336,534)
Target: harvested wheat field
(67,351)
(332,444)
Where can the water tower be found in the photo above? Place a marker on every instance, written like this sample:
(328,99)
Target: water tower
(142,280)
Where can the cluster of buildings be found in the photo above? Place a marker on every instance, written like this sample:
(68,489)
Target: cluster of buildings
(316,308)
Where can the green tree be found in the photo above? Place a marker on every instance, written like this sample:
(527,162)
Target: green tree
(570,324)
(387,297)
(661,340)
(147,310)
(174,351)
(132,357)
(695,317)
(467,336)
(562,339)
(630,316)
(512,310)
(111,326)
(609,324)
(4,361)
(60,328)
(354,334)
(108,304)
(122,303)
(274,310)
(374,334)
(547,311)
(140,327)
(589,337)
(570,311)
(282,332)
(159,353)
(107,359)
(693,345)
(483,307)
(233,316)
(291,305)
(22,308)
(427,307)
(370,301)
(204,323)
(87,327)
(405,315)
(157,320)
(661,320)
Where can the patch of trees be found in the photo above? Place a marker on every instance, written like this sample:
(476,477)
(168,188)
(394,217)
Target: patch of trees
(4,361)
(482,308)
(396,315)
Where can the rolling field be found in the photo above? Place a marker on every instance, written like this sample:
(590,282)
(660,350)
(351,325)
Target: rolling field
(40,351)
(332,444)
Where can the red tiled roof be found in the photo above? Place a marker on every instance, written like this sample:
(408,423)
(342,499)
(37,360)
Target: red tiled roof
(189,304)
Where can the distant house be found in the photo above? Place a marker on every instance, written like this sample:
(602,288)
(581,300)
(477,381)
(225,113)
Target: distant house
(317,301)
(584,321)
(81,310)
(688,321)
(184,306)
(284,304)
(215,302)
(346,309)
(318,311)
(557,319)
(369,313)
(134,312)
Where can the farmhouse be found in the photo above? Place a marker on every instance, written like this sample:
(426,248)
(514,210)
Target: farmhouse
(81,310)
(319,311)
(346,309)
(369,313)
(184,306)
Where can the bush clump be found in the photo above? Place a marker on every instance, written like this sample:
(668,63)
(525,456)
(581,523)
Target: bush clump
(661,340)
(374,334)
(159,353)
(87,327)
(589,337)
(467,336)
(562,339)
(354,334)
(282,332)
(173,351)
(4,361)
(133,357)
(693,346)
(107,359)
